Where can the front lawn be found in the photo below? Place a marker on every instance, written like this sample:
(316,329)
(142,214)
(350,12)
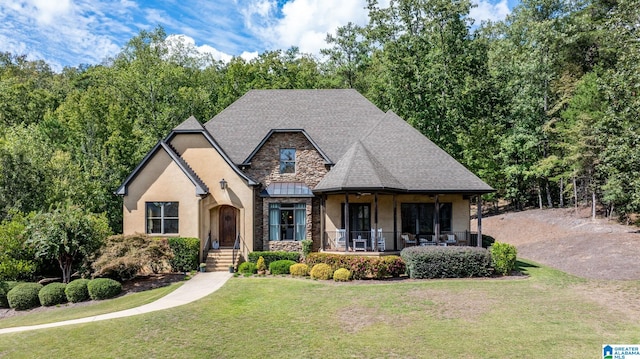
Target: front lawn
(549,314)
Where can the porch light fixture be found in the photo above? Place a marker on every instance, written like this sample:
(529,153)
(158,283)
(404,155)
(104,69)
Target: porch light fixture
(223,184)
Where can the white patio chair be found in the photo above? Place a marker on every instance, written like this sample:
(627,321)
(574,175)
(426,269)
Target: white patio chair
(340,238)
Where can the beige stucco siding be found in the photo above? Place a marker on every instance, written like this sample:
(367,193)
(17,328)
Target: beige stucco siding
(161,180)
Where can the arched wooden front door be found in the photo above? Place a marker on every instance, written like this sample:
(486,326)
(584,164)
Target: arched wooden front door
(227,225)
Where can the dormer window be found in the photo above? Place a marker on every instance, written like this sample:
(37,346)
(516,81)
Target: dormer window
(287,160)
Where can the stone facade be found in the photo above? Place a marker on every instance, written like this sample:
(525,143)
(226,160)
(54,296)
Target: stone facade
(265,168)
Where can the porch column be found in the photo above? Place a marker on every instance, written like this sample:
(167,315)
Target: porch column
(346,222)
(374,240)
(395,224)
(323,224)
(479,217)
(437,218)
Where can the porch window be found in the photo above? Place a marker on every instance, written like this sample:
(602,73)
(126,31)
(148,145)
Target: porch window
(162,217)
(418,218)
(287,221)
(287,160)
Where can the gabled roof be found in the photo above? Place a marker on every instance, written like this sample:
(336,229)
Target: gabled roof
(326,159)
(189,125)
(201,188)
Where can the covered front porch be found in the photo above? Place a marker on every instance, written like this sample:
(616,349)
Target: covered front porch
(387,222)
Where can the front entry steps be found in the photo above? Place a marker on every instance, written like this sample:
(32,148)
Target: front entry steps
(219,260)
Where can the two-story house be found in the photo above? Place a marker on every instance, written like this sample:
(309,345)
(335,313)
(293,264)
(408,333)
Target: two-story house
(280,166)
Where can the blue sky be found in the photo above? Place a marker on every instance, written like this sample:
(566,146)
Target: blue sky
(73,32)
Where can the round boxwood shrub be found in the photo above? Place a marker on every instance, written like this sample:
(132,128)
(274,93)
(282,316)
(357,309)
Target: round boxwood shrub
(341,275)
(281,266)
(247,268)
(24,296)
(503,257)
(299,270)
(52,294)
(321,271)
(5,287)
(103,288)
(77,291)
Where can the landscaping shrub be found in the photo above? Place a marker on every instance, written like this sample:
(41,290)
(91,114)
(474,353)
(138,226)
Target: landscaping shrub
(260,265)
(77,291)
(503,257)
(52,294)
(307,247)
(299,270)
(281,266)
(247,268)
(361,267)
(447,262)
(321,271)
(123,257)
(342,275)
(103,288)
(273,256)
(24,296)
(5,287)
(185,253)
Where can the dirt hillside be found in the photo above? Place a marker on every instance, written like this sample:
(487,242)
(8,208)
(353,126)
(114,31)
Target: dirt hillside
(574,243)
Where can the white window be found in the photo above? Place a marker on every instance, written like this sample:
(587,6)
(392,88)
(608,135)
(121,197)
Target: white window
(287,221)
(287,160)
(162,217)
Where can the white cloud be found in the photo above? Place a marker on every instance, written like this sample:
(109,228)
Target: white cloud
(484,10)
(189,44)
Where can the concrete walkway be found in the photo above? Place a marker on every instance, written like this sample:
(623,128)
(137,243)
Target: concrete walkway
(195,288)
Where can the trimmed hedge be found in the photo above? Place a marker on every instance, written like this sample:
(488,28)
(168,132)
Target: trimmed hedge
(24,296)
(52,294)
(321,271)
(342,275)
(5,287)
(103,288)
(77,291)
(361,267)
(503,257)
(273,256)
(280,267)
(299,270)
(447,262)
(247,268)
(185,253)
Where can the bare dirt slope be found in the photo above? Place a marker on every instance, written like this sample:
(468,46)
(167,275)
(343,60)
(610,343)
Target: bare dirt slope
(573,243)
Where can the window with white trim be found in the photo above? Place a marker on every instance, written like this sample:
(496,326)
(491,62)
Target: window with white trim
(287,160)
(162,217)
(287,221)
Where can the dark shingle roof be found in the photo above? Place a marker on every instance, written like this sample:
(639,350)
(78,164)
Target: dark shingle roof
(190,124)
(370,149)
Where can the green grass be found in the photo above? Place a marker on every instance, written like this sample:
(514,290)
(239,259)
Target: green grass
(62,312)
(547,314)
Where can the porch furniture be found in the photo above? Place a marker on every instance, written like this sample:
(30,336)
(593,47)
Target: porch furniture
(427,240)
(451,239)
(359,244)
(340,238)
(379,240)
(408,239)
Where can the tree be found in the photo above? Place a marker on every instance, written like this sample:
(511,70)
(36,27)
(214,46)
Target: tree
(67,234)
(16,258)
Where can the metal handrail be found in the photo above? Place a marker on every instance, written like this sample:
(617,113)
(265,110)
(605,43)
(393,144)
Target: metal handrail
(207,245)
(236,245)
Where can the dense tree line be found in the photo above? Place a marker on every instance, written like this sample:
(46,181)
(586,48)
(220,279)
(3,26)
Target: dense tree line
(543,105)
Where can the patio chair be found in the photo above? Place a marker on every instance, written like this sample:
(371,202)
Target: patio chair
(340,238)
(451,240)
(380,241)
(408,239)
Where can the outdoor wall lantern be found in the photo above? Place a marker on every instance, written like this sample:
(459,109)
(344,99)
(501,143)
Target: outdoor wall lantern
(223,184)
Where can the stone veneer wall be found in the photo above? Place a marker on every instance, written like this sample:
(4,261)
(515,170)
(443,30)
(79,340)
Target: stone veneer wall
(265,168)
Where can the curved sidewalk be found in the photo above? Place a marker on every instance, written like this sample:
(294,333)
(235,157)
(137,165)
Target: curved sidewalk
(201,285)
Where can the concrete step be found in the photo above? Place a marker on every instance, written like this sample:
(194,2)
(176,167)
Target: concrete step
(219,260)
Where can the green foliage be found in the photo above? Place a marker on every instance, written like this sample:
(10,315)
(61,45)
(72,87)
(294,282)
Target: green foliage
(273,256)
(77,291)
(261,265)
(24,296)
(52,294)
(67,234)
(307,247)
(16,258)
(103,288)
(447,262)
(185,253)
(5,287)
(299,270)
(280,266)
(321,271)
(123,257)
(361,267)
(342,275)
(247,268)
(503,257)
